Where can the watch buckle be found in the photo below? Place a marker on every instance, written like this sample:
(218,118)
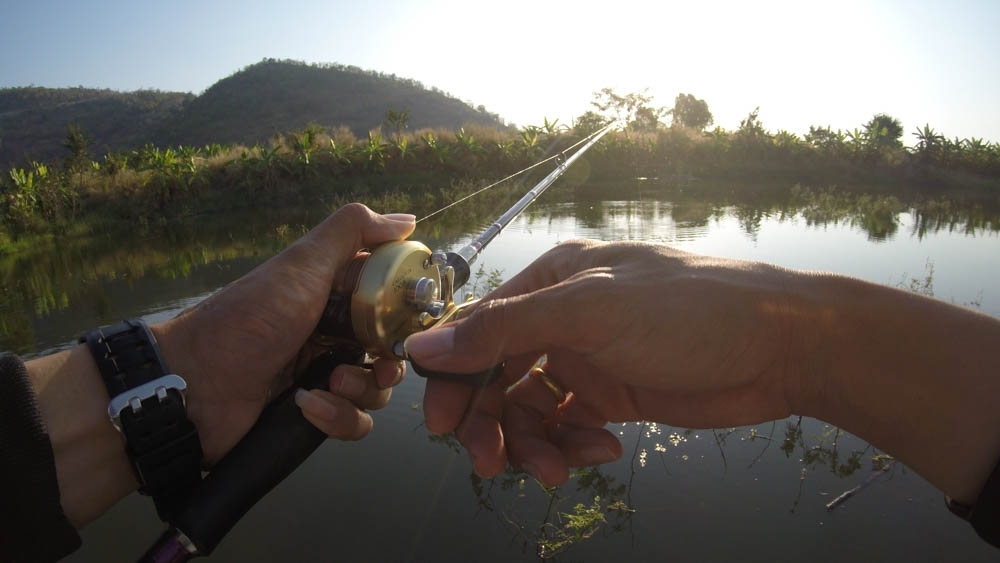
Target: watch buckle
(134,397)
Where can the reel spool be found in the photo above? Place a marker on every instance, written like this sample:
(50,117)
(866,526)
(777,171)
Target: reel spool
(402,288)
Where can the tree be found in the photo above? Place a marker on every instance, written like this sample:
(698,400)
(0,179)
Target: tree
(632,110)
(588,123)
(691,112)
(397,121)
(647,120)
(929,142)
(884,131)
(77,143)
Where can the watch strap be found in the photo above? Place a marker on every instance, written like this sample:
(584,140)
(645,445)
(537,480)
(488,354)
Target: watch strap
(985,514)
(148,406)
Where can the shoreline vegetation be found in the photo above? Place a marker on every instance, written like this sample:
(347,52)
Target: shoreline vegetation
(395,169)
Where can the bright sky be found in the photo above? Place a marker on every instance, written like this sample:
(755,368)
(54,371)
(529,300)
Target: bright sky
(803,62)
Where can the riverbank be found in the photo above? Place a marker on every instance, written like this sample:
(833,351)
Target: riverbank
(151,187)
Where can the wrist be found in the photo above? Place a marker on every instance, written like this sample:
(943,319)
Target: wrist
(179,344)
(916,377)
(148,406)
(89,452)
(177,349)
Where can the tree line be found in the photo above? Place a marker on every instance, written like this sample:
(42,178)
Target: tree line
(154,183)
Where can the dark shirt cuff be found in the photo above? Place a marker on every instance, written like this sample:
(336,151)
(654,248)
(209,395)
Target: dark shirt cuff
(33,526)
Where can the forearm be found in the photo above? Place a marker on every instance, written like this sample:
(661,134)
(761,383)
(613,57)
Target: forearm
(92,468)
(917,377)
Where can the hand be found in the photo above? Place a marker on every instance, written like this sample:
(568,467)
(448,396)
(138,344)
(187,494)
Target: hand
(633,331)
(245,343)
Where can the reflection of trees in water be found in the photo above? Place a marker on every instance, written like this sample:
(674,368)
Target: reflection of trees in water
(591,503)
(878,215)
(823,451)
(73,274)
(548,521)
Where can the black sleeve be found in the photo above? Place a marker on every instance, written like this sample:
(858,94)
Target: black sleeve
(32,524)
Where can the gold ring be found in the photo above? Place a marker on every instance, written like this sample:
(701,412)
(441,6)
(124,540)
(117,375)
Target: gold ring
(540,375)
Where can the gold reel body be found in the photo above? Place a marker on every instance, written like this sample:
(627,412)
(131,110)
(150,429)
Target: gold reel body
(402,288)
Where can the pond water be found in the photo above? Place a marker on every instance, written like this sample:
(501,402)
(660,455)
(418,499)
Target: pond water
(747,494)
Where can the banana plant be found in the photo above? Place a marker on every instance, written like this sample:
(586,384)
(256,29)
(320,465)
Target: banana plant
(25,194)
(304,144)
(341,153)
(437,148)
(928,142)
(402,146)
(529,141)
(375,150)
(552,127)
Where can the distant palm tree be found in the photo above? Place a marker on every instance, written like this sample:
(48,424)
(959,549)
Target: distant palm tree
(929,143)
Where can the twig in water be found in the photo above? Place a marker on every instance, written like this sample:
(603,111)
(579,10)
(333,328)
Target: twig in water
(842,498)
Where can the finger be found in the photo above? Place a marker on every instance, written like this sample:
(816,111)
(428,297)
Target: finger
(445,403)
(575,413)
(553,267)
(331,244)
(584,447)
(333,415)
(553,317)
(529,404)
(481,434)
(552,437)
(388,373)
(355,222)
(358,384)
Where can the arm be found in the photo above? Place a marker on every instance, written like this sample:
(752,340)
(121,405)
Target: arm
(643,332)
(917,377)
(234,349)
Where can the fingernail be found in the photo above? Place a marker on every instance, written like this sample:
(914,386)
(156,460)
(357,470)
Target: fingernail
(596,455)
(431,343)
(401,217)
(314,405)
(351,385)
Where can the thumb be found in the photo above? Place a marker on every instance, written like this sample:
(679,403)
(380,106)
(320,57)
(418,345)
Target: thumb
(352,227)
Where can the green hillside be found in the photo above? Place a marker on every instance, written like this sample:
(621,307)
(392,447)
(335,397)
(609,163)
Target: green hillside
(248,107)
(33,120)
(280,96)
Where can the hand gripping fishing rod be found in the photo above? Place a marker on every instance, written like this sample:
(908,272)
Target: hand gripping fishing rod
(399,288)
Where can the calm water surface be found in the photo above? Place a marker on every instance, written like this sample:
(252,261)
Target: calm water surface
(736,494)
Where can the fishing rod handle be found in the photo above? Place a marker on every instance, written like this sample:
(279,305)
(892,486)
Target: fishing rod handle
(275,446)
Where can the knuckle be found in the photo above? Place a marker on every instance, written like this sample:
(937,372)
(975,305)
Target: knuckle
(354,211)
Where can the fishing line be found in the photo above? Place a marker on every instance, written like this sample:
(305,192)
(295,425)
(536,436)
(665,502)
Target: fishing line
(518,173)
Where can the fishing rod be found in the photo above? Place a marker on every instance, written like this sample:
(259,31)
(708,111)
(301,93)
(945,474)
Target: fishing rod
(400,288)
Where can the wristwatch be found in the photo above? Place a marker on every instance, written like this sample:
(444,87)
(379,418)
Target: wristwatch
(148,407)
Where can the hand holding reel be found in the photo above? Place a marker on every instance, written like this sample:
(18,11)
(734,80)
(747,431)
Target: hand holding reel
(398,289)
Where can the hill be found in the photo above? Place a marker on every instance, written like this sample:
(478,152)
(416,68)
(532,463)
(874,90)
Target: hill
(248,107)
(279,96)
(33,120)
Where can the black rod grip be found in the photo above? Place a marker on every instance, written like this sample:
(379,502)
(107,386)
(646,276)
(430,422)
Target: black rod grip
(278,442)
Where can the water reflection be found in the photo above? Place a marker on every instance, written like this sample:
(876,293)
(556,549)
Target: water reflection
(78,281)
(672,487)
(598,502)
